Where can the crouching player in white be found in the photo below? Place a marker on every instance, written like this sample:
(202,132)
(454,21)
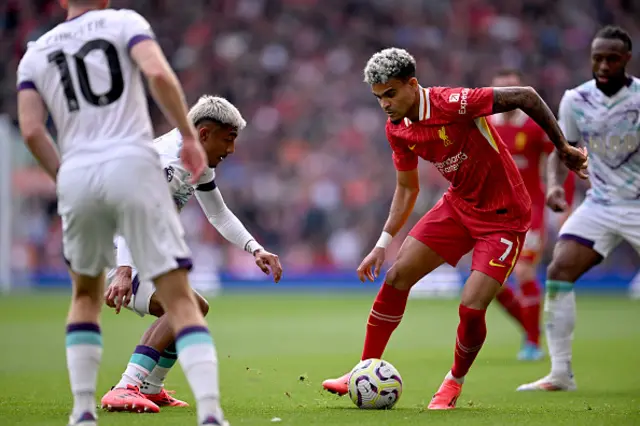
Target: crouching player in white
(603,113)
(141,389)
(86,73)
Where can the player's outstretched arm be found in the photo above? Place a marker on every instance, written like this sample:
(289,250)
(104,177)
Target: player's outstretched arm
(529,101)
(404,199)
(32,115)
(232,229)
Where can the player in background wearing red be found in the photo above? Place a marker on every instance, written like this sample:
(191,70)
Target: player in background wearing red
(485,209)
(529,146)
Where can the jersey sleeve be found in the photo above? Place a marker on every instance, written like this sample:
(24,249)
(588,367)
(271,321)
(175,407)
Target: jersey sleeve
(461,103)
(207,181)
(135,28)
(403,158)
(26,76)
(567,120)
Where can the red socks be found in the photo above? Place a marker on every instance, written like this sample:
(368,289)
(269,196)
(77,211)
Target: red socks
(530,303)
(525,310)
(472,331)
(386,314)
(511,304)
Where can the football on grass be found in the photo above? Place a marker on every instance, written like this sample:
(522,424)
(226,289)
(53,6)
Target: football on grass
(375,384)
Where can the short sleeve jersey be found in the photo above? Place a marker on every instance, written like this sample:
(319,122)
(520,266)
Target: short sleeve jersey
(454,135)
(91,86)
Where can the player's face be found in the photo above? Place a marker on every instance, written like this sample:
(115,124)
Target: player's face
(218,141)
(609,59)
(396,97)
(506,81)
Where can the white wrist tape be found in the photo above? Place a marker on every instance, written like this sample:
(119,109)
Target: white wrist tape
(252,245)
(384,240)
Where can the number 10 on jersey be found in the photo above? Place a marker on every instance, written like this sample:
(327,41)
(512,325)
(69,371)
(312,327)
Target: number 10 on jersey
(115,70)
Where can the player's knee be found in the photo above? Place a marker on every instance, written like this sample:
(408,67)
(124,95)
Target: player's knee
(202,303)
(398,277)
(561,268)
(155,307)
(87,290)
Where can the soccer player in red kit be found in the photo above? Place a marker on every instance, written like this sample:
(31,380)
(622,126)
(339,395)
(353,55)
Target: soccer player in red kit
(529,146)
(485,209)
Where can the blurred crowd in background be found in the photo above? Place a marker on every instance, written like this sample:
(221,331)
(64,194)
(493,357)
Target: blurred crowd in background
(312,175)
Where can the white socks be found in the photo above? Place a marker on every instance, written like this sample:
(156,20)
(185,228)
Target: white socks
(142,362)
(199,361)
(84,353)
(560,319)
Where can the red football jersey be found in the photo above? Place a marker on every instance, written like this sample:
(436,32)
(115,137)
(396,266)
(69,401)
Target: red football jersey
(528,145)
(455,136)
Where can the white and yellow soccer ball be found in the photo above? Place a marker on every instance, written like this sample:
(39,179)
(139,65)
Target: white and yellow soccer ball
(375,384)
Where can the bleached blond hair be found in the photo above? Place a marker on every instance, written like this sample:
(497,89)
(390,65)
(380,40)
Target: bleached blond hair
(389,63)
(216,109)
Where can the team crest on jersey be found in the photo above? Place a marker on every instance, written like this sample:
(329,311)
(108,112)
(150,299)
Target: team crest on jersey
(454,97)
(521,140)
(169,172)
(442,134)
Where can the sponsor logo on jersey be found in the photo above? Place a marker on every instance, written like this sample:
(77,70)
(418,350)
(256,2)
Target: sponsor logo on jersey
(442,134)
(454,97)
(452,163)
(169,172)
(464,94)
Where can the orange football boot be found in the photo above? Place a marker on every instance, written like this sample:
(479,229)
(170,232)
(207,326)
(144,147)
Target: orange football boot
(447,396)
(128,399)
(165,399)
(339,386)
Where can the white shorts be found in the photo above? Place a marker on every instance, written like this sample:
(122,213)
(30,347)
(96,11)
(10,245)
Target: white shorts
(141,293)
(128,196)
(602,227)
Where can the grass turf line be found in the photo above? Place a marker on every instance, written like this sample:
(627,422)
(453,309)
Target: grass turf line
(275,350)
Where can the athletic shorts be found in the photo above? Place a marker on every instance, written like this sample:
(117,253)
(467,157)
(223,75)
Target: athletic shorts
(130,197)
(602,227)
(452,233)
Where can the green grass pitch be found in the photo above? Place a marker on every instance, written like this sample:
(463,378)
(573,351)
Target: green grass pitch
(275,350)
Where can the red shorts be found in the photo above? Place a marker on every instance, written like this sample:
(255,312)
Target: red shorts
(453,233)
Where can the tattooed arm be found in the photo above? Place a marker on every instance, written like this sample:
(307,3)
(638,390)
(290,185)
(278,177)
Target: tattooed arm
(527,99)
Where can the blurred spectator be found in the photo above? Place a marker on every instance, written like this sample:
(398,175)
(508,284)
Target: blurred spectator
(312,175)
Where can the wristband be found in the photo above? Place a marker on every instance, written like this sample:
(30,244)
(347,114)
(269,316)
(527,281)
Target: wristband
(252,246)
(384,240)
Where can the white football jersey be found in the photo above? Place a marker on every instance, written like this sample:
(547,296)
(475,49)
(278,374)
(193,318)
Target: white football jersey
(92,88)
(168,146)
(610,128)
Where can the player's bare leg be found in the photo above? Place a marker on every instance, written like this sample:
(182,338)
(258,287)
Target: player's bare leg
(159,340)
(414,261)
(194,345)
(477,294)
(571,259)
(84,346)
(525,307)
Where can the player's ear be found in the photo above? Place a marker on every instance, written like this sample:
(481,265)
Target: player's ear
(203,133)
(64,4)
(413,82)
